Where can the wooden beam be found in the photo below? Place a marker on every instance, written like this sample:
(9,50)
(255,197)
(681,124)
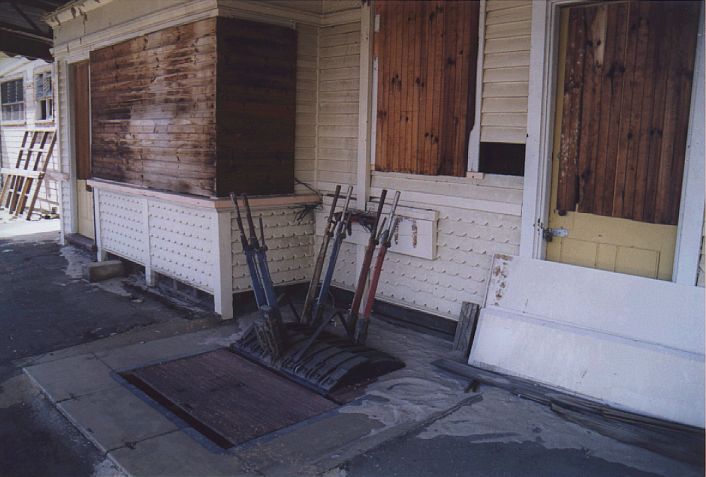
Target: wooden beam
(17,44)
(27,18)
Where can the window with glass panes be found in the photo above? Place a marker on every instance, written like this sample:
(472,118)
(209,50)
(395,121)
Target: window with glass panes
(12,99)
(43,96)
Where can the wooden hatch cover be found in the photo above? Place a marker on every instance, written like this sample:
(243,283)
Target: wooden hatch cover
(228,398)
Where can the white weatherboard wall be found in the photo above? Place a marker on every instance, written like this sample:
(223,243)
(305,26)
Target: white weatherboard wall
(631,342)
(506,59)
(337,120)
(11,133)
(467,220)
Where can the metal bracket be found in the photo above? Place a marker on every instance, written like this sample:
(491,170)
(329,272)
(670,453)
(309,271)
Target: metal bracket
(548,233)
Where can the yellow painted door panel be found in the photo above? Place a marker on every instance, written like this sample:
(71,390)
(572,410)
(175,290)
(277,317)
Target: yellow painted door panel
(84,203)
(607,243)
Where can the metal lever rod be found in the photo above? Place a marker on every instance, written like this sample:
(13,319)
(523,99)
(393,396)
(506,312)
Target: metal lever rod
(339,234)
(249,253)
(364,269)
(319,265)
(361,330)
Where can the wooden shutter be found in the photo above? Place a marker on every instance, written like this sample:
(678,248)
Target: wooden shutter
(627,92)
(426,53)
(81,119)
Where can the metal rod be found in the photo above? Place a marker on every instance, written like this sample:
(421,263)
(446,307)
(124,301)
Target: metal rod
(361,331)
(319,265)
(365,268)
(339,235)
(249,256)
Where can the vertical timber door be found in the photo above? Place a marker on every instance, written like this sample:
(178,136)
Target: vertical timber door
(82,147)
(622,112)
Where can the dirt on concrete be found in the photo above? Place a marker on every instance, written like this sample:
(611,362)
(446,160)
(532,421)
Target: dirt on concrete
(46,305)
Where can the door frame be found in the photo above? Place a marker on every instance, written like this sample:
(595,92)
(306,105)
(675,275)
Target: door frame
(544,49)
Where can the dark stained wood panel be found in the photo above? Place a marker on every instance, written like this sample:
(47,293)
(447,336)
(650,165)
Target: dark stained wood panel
(153,108)
(627,91)
(228,398)
(80,96)
(257,66)
(426,53)
(205,108)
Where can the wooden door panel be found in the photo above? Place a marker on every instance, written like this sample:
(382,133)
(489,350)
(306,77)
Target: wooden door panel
(626,99)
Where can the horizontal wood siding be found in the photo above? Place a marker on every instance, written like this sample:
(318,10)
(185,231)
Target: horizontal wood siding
(153,109)
(426,53)
(11,134)
(339,70)
(305,133)
(205,108)
(505,71)
(627,94)
(256,101)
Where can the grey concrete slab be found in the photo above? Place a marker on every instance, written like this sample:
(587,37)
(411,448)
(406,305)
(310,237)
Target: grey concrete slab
(176,455)
(295,452)
(99,271)
(115,417)
(72,377)
(136,336)
(143,353)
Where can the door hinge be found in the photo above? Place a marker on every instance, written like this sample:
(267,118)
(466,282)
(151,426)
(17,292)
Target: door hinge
(548,233)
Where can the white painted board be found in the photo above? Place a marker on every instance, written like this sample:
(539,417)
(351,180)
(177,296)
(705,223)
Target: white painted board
(630,342)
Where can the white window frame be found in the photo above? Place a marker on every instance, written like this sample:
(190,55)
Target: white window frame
(474,136)
(540,130)
(23,120)
(37,100)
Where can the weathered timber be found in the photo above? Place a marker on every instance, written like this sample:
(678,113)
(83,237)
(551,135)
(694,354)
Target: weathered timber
(204,108)
(627,92)
(465,331)
(426,85)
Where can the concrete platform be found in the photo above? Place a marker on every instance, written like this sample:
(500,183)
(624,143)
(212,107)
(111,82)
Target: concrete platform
(144,440)
(417,415)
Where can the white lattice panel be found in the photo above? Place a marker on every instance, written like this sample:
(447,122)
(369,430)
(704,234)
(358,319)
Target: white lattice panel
(122,225)
(290,247)
(181,243)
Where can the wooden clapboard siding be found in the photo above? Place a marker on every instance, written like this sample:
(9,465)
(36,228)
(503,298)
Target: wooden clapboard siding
(153,110)
(305,129)
(204,108)
(627,93)
(256,99)
(426,55)
(339,85)
(506,53)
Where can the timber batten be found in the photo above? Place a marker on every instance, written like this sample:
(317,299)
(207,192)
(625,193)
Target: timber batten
(190,108)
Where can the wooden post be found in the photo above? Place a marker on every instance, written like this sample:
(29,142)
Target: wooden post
(465,330)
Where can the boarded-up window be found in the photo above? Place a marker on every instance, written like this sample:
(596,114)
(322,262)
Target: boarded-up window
(627,91)
(426,53)
(81,119)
